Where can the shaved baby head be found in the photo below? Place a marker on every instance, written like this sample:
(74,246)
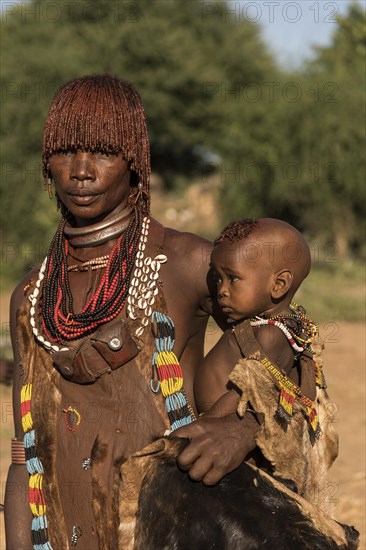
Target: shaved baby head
(270,242)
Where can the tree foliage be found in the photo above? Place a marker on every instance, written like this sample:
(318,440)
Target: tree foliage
(285,145)
(312,171)
(178,56)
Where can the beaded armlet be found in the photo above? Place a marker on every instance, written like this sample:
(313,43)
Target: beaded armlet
(167,374)
(300,332)
(35,469)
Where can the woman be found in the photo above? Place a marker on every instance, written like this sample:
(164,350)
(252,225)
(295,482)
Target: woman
(101,329)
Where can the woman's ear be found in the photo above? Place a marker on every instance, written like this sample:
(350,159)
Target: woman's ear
(282,283)
(134,179)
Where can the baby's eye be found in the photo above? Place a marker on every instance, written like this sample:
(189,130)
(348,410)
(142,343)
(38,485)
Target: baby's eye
(233,278)
(216,278)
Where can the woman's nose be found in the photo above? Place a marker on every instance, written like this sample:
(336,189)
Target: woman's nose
(83,166)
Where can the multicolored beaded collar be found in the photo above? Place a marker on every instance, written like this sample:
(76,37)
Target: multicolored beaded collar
(299,330)
(116,285)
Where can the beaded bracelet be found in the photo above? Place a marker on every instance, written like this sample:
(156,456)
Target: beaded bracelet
(78,418)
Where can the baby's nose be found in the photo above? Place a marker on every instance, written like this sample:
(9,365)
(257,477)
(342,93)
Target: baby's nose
(223,291)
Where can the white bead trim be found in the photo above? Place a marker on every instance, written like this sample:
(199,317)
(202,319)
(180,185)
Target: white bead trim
(143,287)
(141,292)
(33,299)
(260,322)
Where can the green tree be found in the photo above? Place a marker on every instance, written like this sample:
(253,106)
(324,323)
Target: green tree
(308,145)
(331,145)
(184,60)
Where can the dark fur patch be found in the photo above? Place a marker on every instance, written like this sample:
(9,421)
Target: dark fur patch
(99,451)
(245,511)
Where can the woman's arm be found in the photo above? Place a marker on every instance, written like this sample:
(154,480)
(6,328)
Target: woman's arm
(220,439)
(18,515)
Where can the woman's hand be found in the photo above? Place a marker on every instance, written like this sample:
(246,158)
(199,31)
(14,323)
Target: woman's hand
(219,441)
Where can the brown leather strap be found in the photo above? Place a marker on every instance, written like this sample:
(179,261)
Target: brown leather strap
(246,340)
(17,451)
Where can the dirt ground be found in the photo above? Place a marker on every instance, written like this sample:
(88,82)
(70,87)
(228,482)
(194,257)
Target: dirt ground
(344,359)
(345,372)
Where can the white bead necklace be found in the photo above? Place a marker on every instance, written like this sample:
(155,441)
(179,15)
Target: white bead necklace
(143,287)
(141,292)
(33,299)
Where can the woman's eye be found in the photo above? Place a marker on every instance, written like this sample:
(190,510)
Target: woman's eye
(103,154)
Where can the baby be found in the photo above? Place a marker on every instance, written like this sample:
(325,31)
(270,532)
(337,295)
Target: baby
(268,355)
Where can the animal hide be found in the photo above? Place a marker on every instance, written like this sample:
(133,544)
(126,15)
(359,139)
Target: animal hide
(288,448)
(46,400)
(162,508)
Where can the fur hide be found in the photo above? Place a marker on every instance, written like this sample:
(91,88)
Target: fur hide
(47,404)
(288,448)
(46,399)
(161,508)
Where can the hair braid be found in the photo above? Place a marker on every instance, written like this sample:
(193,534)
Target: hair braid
(101,113)
(238,230)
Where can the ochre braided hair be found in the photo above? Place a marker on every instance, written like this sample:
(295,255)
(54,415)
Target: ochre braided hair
(101,113)
(236,231)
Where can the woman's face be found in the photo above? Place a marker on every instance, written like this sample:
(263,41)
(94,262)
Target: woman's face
(91,185)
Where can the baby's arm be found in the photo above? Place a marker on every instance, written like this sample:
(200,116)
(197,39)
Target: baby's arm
(277,348)
(213,375)
(212,378)
(215,397)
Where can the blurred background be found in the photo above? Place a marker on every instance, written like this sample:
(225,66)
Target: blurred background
(254,108)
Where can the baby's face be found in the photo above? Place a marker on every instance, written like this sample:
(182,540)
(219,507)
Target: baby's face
(244,279)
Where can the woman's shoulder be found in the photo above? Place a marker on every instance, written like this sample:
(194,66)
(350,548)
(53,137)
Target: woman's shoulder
(187,266)
(185,244)
(20,291)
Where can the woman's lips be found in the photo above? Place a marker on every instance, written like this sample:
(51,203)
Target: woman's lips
(82,200)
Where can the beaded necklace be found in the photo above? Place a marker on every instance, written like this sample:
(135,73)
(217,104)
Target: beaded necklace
(299,330)
(166,374)
(34,466)
(56,312)
(95,263)
(142,290)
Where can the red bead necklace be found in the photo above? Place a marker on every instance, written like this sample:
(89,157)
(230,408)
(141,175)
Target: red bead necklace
(56,305)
